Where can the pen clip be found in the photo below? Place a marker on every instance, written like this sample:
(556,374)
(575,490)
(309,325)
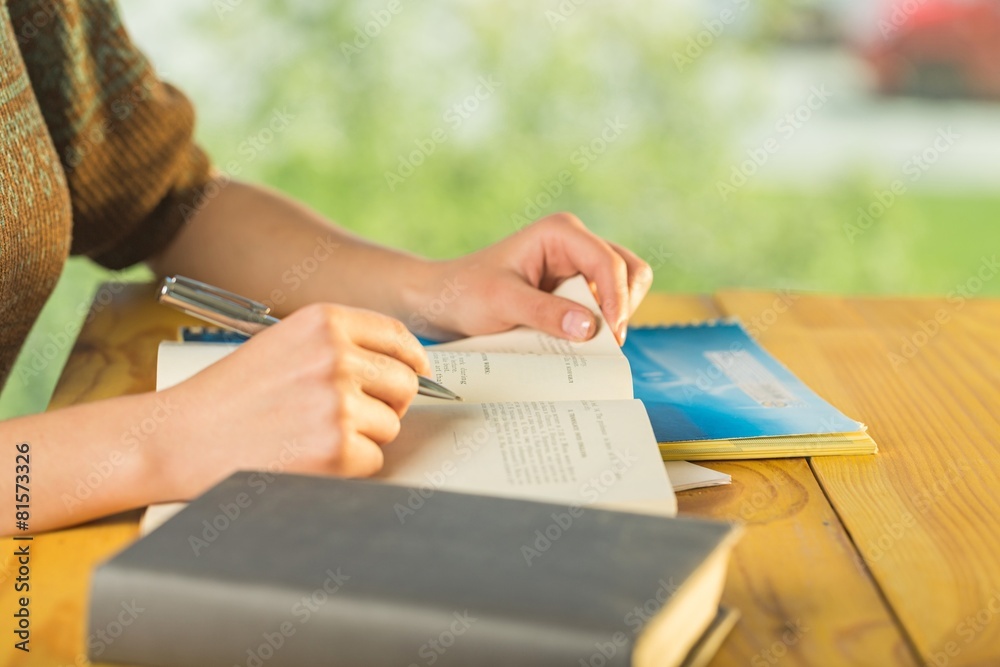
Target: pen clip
(215,304)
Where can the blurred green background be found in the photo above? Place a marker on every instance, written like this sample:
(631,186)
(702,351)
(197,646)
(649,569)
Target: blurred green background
(645,110)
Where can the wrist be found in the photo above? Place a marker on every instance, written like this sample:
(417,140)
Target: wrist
(418,281)
(165,460)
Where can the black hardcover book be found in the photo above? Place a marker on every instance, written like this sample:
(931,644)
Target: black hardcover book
(299,571)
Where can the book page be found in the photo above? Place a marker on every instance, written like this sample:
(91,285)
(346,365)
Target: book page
(685,476)
(156,515)
(583,453)
(475,376)
(530,341)
(488,376)
(176,361)
(576,452)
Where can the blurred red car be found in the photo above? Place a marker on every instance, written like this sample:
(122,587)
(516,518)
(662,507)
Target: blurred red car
(937,48)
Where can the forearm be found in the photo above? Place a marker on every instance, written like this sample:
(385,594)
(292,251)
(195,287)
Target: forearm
(87,461)
(259,243)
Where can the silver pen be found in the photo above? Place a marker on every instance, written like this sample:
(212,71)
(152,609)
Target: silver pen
(238,313)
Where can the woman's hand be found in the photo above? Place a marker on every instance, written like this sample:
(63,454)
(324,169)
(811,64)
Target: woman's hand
(280,252)
(317,393)
(508,284)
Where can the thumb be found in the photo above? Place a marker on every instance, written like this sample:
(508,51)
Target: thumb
(552,314)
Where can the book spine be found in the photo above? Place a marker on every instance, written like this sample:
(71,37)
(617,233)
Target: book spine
(158,619)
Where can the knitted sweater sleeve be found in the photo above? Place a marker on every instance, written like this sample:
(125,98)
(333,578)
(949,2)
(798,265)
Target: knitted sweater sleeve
(124,137)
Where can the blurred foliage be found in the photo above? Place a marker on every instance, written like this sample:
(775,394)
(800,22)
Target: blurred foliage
(562,75)
(559,81)
(358,104)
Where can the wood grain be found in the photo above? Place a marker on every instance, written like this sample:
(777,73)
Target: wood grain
(805,596)
(925,376)
(114,354)
(796,576)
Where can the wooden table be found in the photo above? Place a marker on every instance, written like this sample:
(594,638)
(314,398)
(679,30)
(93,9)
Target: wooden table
(891,559)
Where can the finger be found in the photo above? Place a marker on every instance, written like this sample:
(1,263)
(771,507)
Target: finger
(372,418)
(360,457)
(524,304)
(387,379)
(385,335)
(600,264)
(640,276)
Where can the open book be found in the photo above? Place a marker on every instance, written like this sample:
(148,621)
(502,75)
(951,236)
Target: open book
(542,419)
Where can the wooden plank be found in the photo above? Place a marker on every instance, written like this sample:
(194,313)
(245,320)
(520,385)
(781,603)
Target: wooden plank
(795,564)
(924,375)
(805,596)
(115,354)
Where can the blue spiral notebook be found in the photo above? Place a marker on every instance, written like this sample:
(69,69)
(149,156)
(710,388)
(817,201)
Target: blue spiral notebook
(711,392)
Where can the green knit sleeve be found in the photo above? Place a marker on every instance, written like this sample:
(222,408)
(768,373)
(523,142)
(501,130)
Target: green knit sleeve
(124,137)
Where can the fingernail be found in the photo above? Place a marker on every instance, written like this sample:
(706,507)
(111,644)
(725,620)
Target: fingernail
(577,324)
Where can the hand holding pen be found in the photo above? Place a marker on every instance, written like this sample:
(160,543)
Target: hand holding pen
(318,392)
(238,313)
